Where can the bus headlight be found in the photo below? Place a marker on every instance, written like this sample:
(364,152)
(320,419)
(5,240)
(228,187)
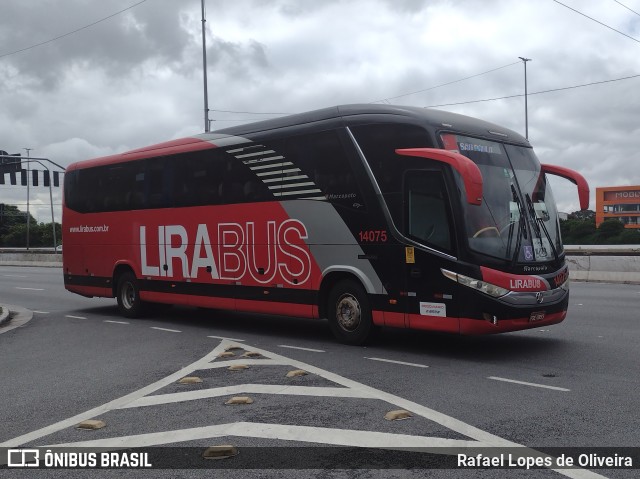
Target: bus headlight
(482,286)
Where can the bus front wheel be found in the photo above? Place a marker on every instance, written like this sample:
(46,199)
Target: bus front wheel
(128,295)
(349,313)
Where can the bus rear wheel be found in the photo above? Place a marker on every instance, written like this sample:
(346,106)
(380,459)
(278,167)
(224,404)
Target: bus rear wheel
(128,295)
(349,313)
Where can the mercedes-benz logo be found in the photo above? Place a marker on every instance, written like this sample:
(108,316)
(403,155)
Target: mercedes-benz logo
(539,297)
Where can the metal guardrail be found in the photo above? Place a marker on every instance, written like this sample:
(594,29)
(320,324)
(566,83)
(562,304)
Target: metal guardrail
(602,250)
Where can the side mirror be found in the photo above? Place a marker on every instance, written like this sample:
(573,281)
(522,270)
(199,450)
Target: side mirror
(575,178)
(467,169)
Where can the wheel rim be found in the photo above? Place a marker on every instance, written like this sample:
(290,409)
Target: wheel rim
(128,295)
(348,312)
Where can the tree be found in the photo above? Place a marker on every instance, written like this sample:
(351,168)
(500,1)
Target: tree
(629,236)
(580,228)
(609,229)
(13,229)
(583,215)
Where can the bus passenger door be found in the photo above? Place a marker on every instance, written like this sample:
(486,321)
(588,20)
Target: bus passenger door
(428,223)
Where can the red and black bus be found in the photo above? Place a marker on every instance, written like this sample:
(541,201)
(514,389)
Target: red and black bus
(367,215)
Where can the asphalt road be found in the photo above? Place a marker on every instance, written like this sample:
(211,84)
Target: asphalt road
(572,385)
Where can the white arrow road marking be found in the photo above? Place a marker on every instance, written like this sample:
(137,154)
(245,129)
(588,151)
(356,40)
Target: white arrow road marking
(228,339)
(333,436)
(115,404)
(247,389)
(479,438)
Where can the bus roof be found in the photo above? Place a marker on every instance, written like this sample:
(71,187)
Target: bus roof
(344,115)
(348,114)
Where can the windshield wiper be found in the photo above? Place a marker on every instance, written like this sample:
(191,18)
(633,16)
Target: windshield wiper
(522,229)
(539,225)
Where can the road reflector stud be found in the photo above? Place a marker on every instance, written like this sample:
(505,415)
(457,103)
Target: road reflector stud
(251,354)
(239,400)
(226,354)
(190,380)
(397,415)
(220,452)
(91,424)
(238,367)
(296,372)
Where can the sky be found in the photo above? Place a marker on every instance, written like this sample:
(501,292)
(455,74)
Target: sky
(86,78)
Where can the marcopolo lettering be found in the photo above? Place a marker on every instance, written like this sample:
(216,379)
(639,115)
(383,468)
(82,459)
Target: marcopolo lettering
(239,250)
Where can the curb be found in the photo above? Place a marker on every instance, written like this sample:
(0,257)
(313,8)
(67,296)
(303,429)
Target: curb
(4,315)
(13,317)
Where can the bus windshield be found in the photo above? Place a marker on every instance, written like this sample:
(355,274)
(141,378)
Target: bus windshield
(517,219)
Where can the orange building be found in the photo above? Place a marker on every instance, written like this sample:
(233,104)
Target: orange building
(620,202)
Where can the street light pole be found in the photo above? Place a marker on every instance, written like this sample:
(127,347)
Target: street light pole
(53,220)
(28,150)
(526,112)
(204,69)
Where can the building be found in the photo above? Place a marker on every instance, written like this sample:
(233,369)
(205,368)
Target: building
(620,202)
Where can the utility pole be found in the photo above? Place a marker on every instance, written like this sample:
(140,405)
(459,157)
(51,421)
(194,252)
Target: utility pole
(204,70)
(526,112)
(28,183)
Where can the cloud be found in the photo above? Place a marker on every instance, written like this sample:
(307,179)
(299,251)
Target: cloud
(136,78)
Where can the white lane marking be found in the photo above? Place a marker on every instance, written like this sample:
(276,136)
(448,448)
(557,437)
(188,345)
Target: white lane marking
(41,312)
(555,388)
(227,339)
(247,389)
(13,276)
(334,436)
(115,322)
(301,349)
(30,289)
(165,329)
(398,362)
(74,317)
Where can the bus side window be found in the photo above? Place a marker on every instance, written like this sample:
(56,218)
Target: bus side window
(426,209)
(158,187)
(325,165)
(378,143)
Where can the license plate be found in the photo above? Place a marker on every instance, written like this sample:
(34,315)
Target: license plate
(536,316)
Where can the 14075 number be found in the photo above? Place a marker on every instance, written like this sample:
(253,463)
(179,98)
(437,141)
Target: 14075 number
(373,236)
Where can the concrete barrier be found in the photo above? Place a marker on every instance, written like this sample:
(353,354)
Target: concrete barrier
(604,263)
(30,258)
(610,264)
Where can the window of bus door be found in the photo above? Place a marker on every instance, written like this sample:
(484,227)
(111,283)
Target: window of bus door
(426,209)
